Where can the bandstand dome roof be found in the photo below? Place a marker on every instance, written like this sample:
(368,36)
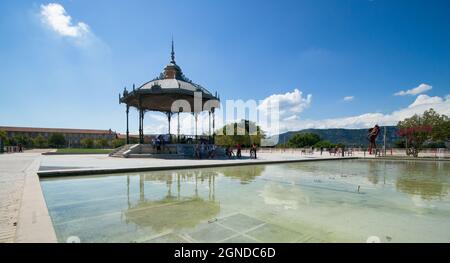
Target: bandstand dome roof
(160,93)
(174,84)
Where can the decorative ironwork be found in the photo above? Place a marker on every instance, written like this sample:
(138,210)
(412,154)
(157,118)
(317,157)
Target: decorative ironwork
(157,86)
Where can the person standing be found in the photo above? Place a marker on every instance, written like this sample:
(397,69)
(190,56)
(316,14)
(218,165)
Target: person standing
(202,149)
(253,151)
(212,151)
(229,152)
(197,151)
(238,151)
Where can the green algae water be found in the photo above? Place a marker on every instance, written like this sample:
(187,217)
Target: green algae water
(323,201)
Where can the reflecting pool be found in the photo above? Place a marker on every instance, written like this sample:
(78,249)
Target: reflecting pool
(324,201)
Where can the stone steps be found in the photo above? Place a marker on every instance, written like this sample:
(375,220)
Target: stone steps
(120,152)
(174,151)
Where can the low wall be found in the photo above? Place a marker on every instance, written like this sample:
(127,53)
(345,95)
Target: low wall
(397,152)
(74,153)
(96,171)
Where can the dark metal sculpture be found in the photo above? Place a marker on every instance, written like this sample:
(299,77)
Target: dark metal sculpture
(372,137)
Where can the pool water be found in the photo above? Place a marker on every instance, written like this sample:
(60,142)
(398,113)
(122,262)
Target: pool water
(324,201)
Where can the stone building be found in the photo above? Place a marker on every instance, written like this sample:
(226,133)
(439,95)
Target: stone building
(73,137)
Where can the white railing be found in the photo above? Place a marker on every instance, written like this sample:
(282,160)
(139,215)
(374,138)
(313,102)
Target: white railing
(396,152)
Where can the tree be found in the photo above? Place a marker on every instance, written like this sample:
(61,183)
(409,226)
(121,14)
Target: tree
(40,142)
(3,138)
(87,143)
(244,133)
(117,143)
(23,140)
(429,127)
(101,143)
(3,135)
(10,141)
(440,125)
(324,144)
(301,140)
(56,140)
(400,144)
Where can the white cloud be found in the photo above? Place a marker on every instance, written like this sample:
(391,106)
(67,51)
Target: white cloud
(418,90)
(426,100)
(421,104)
(348,98)
(290,104)
(54,15)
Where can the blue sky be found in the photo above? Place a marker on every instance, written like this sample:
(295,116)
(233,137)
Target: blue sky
(364,50)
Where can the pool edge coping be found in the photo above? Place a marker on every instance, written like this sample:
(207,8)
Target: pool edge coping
(98,171)
(34,224)
(33,233)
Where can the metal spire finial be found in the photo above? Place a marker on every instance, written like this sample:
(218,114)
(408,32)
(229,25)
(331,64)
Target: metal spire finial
(173,53)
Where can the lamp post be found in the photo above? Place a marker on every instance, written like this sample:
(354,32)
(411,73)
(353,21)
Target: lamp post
(384,141)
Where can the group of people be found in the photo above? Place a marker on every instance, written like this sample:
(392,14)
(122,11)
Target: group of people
(160,140)
(229,151)
(205,149)
(338,151)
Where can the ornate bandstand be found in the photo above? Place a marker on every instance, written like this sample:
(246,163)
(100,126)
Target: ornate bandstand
(170,93)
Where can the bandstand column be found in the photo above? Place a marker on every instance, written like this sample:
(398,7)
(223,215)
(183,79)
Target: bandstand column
(128,131)
(140,121)
(169,117)
(140,124)
(214,125)
(209,125)
(142,127)
(178,128)
(196,119)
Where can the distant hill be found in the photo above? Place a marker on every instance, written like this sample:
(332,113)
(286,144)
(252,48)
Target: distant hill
(349,137)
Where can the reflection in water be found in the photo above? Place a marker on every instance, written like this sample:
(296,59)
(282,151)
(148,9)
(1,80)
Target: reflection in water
(373,175)
(288,197)
(266,203)
(420,186)
(311,168)
(173,211)
(427,180)
(246,174)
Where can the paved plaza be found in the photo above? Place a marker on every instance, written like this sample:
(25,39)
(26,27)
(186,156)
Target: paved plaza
(12,178)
